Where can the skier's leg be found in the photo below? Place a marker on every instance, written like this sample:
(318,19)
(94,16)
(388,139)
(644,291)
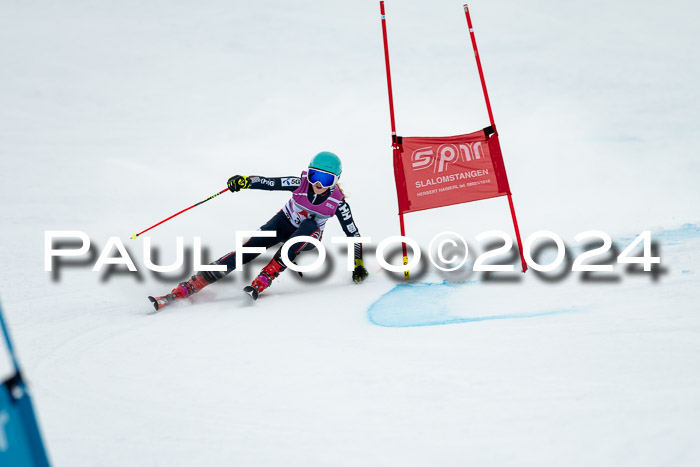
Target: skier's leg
(278,223)
(309,228)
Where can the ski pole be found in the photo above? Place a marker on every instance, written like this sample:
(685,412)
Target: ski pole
(177,214)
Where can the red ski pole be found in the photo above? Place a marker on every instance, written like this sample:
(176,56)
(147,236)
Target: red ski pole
(177,214)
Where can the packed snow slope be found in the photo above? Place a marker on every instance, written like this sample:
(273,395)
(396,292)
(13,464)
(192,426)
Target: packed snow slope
(115,116)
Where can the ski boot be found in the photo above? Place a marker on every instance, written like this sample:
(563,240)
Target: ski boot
(265,278)
(183,290)
(191,287)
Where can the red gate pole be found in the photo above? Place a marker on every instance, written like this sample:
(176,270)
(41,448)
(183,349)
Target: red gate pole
(394,143)
(493,124)
(388,76)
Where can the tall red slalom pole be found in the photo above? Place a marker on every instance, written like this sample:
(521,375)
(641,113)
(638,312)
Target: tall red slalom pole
(493,124)
(388,76)
(394,143)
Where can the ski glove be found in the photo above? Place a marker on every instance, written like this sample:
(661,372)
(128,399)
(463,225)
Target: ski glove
(360,273)
(238,182)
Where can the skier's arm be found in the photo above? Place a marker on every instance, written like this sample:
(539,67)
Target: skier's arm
(344,216)
(256,182)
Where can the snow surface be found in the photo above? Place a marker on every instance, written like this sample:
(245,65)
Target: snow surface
(115,115)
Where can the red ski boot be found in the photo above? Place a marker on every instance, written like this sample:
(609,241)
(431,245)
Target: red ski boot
(191,287)
(183,290)
(263,281)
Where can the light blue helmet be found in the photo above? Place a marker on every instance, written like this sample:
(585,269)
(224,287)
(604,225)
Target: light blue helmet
(328,162)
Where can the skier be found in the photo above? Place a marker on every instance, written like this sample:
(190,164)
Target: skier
(316,197)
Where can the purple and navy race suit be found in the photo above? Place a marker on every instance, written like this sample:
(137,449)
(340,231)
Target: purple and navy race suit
(305,214)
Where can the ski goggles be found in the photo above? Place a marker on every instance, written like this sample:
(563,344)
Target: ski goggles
(326,179)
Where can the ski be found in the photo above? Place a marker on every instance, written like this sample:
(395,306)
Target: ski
(252,291)
(161,302)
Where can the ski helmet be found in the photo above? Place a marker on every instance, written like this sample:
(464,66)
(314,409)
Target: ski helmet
(328,162)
